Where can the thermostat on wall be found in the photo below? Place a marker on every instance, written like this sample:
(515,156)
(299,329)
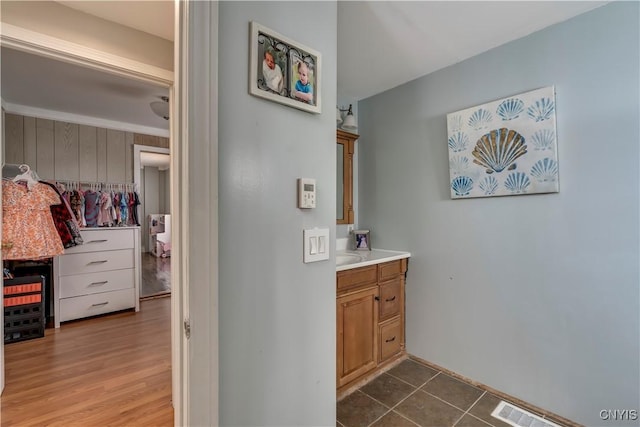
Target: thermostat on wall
(306,193)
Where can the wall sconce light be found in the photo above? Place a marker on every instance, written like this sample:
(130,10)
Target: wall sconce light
(349,121)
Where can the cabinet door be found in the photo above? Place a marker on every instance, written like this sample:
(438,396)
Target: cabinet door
(357,334)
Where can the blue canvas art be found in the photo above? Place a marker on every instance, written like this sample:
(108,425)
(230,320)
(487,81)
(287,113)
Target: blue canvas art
(504,147)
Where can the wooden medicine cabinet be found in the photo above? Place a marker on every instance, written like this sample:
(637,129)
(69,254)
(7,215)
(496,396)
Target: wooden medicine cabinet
(344,203)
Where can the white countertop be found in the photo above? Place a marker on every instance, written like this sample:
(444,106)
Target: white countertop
(365,258)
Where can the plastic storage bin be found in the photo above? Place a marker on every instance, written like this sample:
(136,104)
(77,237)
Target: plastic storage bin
(24,314)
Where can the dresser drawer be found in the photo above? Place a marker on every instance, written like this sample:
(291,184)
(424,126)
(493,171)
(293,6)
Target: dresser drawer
(92,283)
(103,240)
(94,304)
(357,277)
(390,298)
(390,338)
(92,262)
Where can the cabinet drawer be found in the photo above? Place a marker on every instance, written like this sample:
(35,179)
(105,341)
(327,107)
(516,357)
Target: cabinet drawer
(357,277)
(390,298)
(92,262)
(389,270)
(91,305)
(390,338)
(103,240)
(92,283)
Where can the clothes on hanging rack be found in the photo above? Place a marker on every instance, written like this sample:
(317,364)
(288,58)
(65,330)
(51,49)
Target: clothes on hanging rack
(102,204)
(64,221)
(28,230)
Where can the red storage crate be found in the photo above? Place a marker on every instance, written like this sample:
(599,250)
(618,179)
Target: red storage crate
(23,308)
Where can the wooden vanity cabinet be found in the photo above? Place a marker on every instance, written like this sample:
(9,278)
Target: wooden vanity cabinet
(370,319)
(357,334)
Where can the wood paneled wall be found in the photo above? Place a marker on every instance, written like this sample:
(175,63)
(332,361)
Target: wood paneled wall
(72,152)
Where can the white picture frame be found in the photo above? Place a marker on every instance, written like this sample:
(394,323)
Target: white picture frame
(273,70)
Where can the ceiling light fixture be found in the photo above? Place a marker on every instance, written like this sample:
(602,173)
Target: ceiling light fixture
(161,108)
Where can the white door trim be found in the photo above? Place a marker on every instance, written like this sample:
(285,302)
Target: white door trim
(197,95)
(52,47)
(1,276)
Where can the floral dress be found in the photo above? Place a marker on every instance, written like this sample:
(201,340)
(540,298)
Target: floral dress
(28,230)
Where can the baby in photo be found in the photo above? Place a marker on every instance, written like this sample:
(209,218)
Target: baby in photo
(303,88)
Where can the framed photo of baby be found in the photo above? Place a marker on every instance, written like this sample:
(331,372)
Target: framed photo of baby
(283,70)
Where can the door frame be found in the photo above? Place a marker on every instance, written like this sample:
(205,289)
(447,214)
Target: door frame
(137,179)
(178,84)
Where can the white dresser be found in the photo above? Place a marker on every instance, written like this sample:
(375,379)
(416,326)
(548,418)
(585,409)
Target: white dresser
(100,276)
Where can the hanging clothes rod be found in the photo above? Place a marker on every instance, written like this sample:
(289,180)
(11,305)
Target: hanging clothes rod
(73,184)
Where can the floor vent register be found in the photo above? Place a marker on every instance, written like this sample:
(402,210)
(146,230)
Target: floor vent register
(518,417)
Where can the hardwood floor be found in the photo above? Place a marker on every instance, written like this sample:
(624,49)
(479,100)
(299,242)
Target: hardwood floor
(107,371)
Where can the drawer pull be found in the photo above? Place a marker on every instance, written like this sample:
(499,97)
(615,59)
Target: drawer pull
(98,262)
(391,299)
(98,241)
(391,339)
(104,282)
(104,303)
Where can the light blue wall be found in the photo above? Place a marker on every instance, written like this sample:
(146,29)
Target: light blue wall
(277,315)
(537,296)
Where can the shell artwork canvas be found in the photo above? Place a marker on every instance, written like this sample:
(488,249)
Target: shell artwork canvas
(504,147)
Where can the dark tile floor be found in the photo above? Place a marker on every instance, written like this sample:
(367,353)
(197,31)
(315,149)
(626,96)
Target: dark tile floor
(412,394)
(156,276)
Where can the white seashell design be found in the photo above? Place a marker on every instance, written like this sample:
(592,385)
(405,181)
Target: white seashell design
(489,185)
(545,170)
(462,185)
(459,165)
(510,109)
(517,182)
(543,139)
(458,142)
(499,149)
(541,110)
(455,123)
(480,119)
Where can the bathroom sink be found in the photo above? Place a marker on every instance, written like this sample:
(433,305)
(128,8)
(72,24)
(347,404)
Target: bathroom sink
(346,258)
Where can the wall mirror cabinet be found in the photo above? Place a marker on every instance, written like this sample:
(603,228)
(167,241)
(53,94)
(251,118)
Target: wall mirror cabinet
(344,203)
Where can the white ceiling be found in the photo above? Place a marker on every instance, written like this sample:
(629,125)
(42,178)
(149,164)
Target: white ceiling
(381,44)
(39,82)
(153,17)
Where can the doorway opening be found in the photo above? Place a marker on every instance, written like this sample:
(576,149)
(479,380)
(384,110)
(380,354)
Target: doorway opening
(151,176)
(174,360)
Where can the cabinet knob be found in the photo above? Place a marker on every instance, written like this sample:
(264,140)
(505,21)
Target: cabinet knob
(377,298)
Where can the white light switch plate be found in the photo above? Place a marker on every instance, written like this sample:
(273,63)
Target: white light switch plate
(316,245)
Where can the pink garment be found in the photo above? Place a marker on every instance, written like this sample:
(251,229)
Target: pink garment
(104,216)
(28,230)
